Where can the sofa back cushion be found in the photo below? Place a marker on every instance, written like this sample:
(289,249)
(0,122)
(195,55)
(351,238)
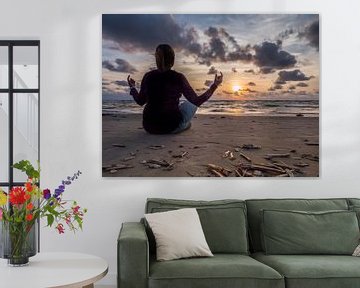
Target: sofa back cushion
(298,232)
(223,221)
(255,206)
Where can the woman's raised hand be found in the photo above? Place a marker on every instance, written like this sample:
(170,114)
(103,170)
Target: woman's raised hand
(218,79)
(131,82)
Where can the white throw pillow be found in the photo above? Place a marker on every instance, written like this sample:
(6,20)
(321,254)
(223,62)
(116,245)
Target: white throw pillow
(178,234)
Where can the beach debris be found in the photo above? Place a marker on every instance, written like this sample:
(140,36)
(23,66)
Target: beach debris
(229,154)
(190,174)
(119,145)
(181,155)
(156,164)
(310,157)
(258,173)
(312,143)
(132,154)
(293,151)
(279,155)
(299,115)
(301,164)
(221,170)
(237,149)
(128,158)
(181,146)
(216,173)
(156,147)
(245,157)
(153,166)
(115,167)
(250,146)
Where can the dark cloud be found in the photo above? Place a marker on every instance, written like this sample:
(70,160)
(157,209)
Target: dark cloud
(212,70)
(121,83)
(294,75)
(233,70)
(292,87)
(286,34)
(249,90)
(269,57)
(208,83)
(227,92)
(223,47)
(275,87)
(251,84)
(311,34)
(302,84)
(145,31)
(251,71)
(120,65)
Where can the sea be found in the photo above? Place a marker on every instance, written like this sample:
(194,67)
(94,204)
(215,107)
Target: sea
(305,108)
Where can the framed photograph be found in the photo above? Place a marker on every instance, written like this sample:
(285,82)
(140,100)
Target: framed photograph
(202,95)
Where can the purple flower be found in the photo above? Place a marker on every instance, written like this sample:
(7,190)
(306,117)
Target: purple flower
(46,194)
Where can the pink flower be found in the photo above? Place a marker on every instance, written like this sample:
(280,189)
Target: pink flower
(60,228)
(1,214)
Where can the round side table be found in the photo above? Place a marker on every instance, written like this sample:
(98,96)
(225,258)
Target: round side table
(50,270)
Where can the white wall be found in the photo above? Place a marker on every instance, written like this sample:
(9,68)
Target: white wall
(70,34)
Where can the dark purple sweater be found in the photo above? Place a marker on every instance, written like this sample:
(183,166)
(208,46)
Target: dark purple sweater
(161,91)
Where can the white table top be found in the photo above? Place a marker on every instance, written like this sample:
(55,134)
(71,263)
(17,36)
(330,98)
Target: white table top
(45,270)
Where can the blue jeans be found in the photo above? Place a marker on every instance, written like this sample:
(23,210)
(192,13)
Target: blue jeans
(188,111)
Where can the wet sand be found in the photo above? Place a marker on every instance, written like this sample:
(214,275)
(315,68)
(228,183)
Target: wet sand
(128,151)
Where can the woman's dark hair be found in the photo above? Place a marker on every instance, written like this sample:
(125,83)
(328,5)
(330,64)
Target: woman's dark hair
(165,57)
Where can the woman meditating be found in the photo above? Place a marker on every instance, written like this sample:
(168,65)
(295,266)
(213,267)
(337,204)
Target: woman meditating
(160,92)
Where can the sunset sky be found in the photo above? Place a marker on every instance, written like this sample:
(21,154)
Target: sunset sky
(261,56)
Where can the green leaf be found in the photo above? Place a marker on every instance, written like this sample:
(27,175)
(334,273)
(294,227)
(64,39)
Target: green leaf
(50,219)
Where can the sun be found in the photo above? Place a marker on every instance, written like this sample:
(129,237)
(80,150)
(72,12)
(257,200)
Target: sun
(236,88)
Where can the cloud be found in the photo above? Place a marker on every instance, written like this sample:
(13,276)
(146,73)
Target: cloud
(212,70)
(311,34)
(251,71)
(208,83)
(146,31)
(121,83)
(251,84)
(269,57)
(120,65)
(292,87)
(233,70)
(275,87)
(294,75)
(227,92)
(302,84)
(248,90)
(223,47)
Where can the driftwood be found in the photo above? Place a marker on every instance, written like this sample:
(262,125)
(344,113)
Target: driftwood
(279,155)
(221,170)
(119,145)
(156,147)
(312,143)
(245,157)
(181,155)
(250,146)
(216,173)
(311,157)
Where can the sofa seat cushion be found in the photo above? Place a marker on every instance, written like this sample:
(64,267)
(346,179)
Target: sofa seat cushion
(313,271)
(222,270)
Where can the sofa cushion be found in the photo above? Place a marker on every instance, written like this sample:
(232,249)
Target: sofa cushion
(178,234)
(313,271)
(255,206)
(297,232)
(356,209)
(222,270)
(223,221)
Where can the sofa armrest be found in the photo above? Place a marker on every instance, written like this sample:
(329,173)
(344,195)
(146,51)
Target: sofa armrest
(133,256)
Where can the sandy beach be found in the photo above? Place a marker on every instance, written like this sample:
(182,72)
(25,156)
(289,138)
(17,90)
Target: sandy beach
(274,146)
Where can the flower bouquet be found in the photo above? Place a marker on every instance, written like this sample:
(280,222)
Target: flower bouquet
(21,208)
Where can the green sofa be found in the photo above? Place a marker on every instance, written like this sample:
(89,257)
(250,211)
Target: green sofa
(233,230)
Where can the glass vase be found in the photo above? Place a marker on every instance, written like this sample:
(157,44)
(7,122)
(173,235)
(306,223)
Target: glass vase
(18,242)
